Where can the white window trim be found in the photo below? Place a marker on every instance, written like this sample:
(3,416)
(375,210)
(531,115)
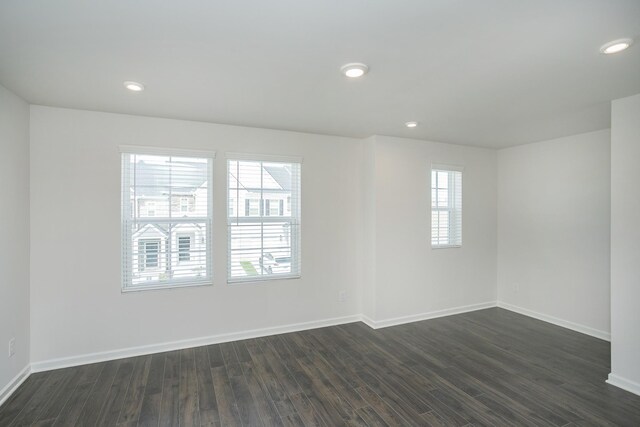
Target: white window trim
(276,158)
(162,151)
(295,240)
(442,167)
(126,235)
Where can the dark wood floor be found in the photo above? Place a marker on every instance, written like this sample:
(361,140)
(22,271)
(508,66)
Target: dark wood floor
(490,367)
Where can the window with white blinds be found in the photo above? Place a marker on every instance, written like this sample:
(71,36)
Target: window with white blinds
(166,218)
(446,206)
(263,219)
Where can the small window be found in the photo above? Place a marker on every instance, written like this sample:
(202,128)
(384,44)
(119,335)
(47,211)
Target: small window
(166,218)
(264,241)
(184,204)
(446,206)
(273,207)
(151,208)
(184,248)
(149,253)
(252,207)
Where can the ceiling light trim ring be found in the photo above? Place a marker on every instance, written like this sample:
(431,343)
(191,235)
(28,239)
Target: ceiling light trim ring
(354,69)
(616,46)
(133,86)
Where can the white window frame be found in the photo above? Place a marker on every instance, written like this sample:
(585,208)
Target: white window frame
(455,212)
(126,220)
(296,239)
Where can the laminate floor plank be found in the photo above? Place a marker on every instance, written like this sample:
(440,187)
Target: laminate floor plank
(264,404)
(276,390)
(98,396)
(21,397)
(226,401)
(323,388)
(490,367)
(170,401)
(152,398)
(371,417)
(73,408)
(132,407)
(306,411)
(41,398)
(382,408)
(189,411)
(59,397)
(206,394)
(114,400)
(230,358)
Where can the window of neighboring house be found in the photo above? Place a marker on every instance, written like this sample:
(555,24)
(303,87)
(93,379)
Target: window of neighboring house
(252,207)
(151,208)
(149,254)
(184,248)
(263,240)
(446,206)
(273,207)
(232,207)
(184,204)
(156,241)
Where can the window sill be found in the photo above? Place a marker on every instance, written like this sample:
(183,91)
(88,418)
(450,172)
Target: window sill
(159,286)
(446,246)
(254,280)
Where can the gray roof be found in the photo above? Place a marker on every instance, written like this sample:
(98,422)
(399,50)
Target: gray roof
(281,174)
(153,180)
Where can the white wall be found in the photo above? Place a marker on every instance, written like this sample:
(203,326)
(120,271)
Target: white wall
(14,229)
(367,239)
(412,280)
(625,243)
(77,306)
(553,229)
(366,216)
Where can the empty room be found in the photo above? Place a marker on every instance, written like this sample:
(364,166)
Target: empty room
(320,213)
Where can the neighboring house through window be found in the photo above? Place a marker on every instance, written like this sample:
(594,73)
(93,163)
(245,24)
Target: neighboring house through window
(264,240)
(446,206)
(166,218)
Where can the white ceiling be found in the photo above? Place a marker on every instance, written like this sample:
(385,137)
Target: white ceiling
(491,73)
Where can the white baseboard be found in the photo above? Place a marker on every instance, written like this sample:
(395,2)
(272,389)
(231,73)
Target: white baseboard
(368,321)
(623,383)
(13,385)
(377,324)
(64,362)
(556,321)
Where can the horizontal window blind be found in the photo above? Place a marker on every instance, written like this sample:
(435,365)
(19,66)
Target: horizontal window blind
(264,218)
(446,207)
(166,220)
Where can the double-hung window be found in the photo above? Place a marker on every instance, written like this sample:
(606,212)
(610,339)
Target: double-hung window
(166,218)
(446,206)
(264,223)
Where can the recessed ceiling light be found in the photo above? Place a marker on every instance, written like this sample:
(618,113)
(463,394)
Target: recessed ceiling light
(354,69)
(134,86)
(411,124)
(616,46)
